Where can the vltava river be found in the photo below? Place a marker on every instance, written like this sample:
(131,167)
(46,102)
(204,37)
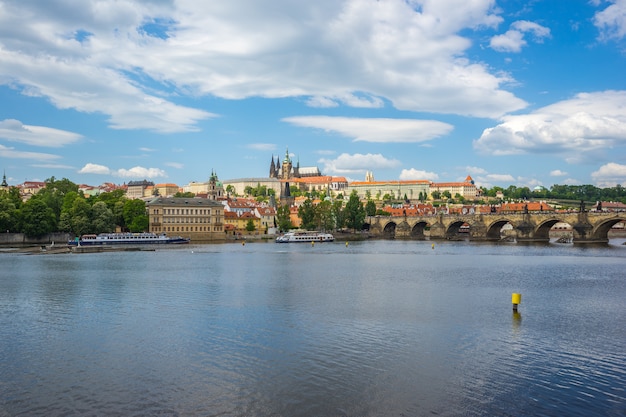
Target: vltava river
(378,328)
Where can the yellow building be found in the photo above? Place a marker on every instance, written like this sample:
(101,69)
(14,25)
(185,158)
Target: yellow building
(167,189)
(200,219)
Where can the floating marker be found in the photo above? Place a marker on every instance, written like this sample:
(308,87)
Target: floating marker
(516,299)
(433,246)
(346,243)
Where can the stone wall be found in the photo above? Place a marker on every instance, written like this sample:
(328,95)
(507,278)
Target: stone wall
(20,239)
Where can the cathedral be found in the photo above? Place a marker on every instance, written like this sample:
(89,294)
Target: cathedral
(285,171)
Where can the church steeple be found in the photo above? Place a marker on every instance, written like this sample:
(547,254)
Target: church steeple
(4,181)
(272,168)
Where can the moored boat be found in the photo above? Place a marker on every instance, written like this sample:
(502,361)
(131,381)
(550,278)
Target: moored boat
(126,239)
(305,236)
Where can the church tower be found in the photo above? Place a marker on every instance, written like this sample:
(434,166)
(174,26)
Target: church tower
(4,185)
(287,166)
(273,173)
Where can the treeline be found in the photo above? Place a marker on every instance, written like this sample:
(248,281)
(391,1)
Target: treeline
(562,192)
(60,207)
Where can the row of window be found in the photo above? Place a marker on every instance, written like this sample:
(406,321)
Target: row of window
(188,211)
(203,220)
(188,229)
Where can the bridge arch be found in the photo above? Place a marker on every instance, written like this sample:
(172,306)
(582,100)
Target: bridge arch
(417,231)
(494,229)
(542,231)
(601,230)
(452,231)
(389,230)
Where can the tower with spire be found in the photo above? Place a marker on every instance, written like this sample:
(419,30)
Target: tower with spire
(4,186)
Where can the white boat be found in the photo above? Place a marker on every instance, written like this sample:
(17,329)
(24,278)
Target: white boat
(126,239)
(305,236)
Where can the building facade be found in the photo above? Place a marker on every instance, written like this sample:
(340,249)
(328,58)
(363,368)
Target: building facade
(199,219)
(139,189)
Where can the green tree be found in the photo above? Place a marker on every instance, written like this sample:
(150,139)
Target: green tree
(338,214)
(306,212)
(436,195)
(135,216)
(230,190)
(354,212)
(8,213)
(250,227)
(187,194)
(283,217)
(102,219)
(36,218)
(370,208)
(324,216)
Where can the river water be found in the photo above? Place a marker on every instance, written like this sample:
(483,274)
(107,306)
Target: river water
(376,328)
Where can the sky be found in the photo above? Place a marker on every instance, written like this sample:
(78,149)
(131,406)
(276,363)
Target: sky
(525,93)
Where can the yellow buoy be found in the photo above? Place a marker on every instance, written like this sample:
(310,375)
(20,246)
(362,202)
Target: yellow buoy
(346,243)
(433,246)
(312,243)
(516,299)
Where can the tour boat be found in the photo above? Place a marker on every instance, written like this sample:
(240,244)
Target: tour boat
(305,236)
(125,239)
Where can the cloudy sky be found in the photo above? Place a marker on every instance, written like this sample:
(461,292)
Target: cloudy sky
(511,92)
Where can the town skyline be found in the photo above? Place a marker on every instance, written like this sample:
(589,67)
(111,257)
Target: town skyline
(512,93)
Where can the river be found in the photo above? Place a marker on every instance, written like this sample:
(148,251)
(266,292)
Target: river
(375,328)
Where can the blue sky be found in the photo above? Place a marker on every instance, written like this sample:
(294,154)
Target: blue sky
(511,92)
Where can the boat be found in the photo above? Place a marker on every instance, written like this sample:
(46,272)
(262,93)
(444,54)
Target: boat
(126,239)
(305,236)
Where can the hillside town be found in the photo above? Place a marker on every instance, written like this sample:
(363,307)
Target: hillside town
(215,209)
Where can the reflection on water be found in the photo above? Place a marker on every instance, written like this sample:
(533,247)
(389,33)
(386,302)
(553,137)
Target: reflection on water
(370,329)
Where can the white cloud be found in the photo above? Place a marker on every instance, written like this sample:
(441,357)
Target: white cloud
(135,172)
(416,174)
(90,168)
(101,58)
(475,170)
(11,153)
(15,131)
(262,146)
(611,22)
(357,163)
(558,173)
(140,172)
(609,175)
(176,165)
(578,129)
(513,40)
(375,130)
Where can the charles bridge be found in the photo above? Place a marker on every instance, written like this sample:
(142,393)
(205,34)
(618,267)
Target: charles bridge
(587,227)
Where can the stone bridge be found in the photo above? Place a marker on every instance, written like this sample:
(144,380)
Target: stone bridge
(588,227)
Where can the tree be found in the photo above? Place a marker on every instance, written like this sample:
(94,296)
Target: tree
(283,216)
(436,195)
(230,190)
(102,219)
(324,216)
(338,215)
(306,212)
(446,194)
(354,212)
(36,218)
(250,227)
(135,216)
(370,208)
(187,194)
(8,213)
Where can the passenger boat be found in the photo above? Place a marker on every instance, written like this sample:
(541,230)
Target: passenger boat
(126,239)
(305,236)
